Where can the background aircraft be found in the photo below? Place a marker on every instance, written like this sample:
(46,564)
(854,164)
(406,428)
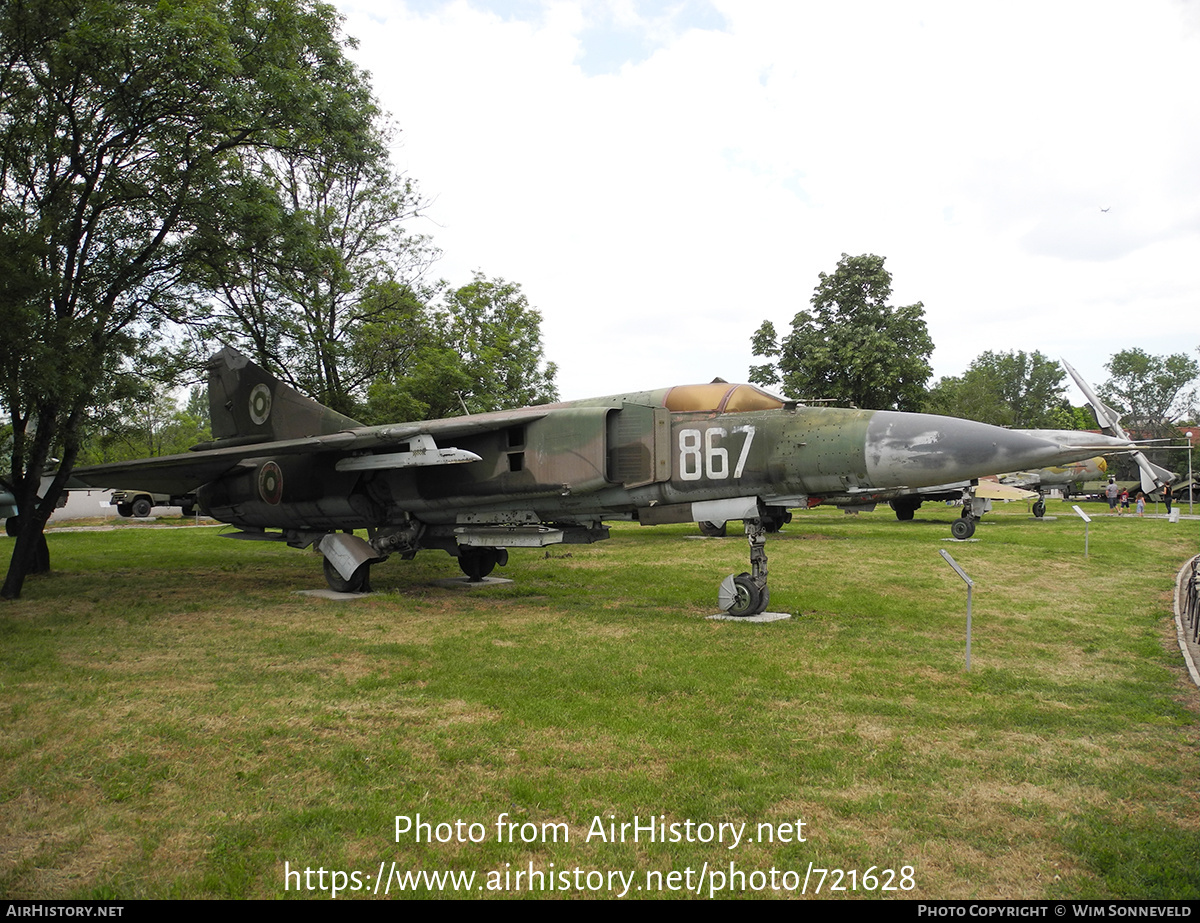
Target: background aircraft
(283,468)
(1019,485)
(976,497)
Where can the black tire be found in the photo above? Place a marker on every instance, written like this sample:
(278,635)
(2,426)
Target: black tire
(963,528)
(713,529)
(337,583)
(11,526)
(141,507)
(125,509)
(749,600)
(1039,508)
(905,509)
(477,563)
(188,509)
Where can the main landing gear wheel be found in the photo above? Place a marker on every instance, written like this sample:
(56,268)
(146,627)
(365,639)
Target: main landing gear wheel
(477,563)
(359,581)
(904,509)
(712,529)
(1039,508)
(963,528)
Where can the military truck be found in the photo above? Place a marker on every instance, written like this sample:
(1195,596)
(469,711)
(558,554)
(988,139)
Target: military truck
(139,503)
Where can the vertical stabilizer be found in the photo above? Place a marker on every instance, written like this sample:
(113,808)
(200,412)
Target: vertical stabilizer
(247,404)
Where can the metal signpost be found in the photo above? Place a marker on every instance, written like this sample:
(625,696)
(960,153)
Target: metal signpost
(1088,522)
(970,585)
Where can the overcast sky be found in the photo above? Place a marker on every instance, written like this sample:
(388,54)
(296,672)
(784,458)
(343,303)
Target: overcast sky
(660,177)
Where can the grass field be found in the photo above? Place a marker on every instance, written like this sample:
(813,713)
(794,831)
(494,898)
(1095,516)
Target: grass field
(176,721)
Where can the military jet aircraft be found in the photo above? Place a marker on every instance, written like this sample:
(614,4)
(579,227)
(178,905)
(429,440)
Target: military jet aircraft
(284,468)
(977,497)
(1063,477)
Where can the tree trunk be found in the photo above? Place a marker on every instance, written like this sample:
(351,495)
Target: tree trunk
(31,555)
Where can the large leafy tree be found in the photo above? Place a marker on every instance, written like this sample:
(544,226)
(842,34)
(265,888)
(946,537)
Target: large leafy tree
(324,239)
(852,346)
(127,132)
(1017,389)
(479,350)
(1151,392)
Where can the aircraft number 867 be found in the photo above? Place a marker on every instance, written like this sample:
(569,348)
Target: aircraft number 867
(701,456)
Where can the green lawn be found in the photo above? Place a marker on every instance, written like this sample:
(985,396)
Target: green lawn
(178,722)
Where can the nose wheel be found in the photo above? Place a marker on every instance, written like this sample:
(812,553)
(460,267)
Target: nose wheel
(746,593)
(963,528)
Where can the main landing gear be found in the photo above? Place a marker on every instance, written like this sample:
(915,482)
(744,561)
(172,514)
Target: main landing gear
(477,563)
(358,582)
(746,593)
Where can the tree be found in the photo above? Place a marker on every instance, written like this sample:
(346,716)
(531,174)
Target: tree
(498,338)
(127,132)
(323,239)
(481,350)
(145,426)
(852,346)
(1024,391)
(1151,392)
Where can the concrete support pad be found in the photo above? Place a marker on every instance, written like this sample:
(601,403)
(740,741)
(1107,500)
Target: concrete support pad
(1044,518)
(332,594)
(462,583)
(761,617)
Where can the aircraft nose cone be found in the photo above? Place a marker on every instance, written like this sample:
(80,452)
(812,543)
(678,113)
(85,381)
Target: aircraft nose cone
(922,450)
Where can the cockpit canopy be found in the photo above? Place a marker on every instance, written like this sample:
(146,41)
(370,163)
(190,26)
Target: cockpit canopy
(719,397)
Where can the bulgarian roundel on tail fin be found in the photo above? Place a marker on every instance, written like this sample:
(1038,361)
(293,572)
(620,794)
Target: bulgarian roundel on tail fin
(248,404)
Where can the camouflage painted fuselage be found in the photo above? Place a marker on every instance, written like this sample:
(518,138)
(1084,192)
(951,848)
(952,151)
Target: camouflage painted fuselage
(674,455)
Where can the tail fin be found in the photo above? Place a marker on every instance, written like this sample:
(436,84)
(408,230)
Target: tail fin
(246,404)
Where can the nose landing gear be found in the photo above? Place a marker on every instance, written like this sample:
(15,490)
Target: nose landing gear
(746,593)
